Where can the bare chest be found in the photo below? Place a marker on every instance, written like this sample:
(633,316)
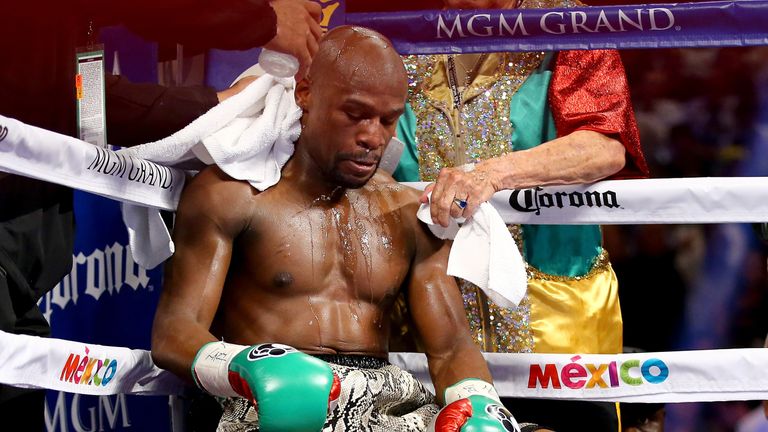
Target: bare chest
(358,249)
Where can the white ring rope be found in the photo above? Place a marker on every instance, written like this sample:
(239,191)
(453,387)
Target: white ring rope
(682,376)
(76,367)
(679,376)
(56,158)
(644,201)
(38,153)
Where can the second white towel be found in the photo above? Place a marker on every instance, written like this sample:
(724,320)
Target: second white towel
(484,253)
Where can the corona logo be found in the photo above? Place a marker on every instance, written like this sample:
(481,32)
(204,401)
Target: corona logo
(102,272)
(534,200)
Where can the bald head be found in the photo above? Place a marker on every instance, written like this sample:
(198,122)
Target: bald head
(351,54)
(351,100)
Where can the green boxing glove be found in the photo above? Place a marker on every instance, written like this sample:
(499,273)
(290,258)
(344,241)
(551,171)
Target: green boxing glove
(472,405)
(291,391)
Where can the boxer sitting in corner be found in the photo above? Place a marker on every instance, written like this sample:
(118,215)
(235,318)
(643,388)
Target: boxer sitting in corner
(280,300)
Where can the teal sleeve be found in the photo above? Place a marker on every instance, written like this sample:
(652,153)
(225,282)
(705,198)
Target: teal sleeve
(532,121)
(408,168)
(563,250)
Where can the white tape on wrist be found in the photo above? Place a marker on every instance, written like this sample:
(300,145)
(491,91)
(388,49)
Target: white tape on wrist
(210,369)
(469,387)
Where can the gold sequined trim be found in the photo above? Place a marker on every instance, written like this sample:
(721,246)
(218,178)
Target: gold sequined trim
(517,235)
(600,264)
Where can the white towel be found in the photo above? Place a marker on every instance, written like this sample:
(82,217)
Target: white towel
(484,253)
(249,136)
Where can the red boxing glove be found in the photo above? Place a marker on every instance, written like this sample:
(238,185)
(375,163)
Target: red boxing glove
(453,416)
(473,406)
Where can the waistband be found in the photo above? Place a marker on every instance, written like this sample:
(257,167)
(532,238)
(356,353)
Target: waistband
(356,361)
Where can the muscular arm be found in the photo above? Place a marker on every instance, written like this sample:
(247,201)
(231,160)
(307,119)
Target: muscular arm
(209,217)
(438,313)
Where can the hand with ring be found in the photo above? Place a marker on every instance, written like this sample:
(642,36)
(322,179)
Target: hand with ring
(458,192)
(462,203)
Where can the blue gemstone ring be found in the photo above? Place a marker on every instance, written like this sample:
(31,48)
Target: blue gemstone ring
(460,202)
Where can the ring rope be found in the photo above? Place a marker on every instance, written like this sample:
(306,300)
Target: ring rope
(701,200)
(651,377)
(76,367)
(681,376)
(57,158)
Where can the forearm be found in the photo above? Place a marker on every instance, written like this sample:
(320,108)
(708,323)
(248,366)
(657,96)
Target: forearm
(581,157)
(175,345)
(438,313)
(140,112)
(462,362)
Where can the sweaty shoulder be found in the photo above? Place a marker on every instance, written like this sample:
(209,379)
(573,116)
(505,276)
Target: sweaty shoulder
(215,196)
(407,199)
(403,197)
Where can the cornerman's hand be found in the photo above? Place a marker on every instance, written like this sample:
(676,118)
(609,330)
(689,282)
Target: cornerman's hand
(236,88)
(458,192)
(298,31)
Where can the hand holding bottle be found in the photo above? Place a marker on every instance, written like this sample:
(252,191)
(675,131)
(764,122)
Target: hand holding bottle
(298,31)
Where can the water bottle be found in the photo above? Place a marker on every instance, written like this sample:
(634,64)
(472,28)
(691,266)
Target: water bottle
(278,64)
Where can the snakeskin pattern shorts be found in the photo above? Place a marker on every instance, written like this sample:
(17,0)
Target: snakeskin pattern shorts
(374,398)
